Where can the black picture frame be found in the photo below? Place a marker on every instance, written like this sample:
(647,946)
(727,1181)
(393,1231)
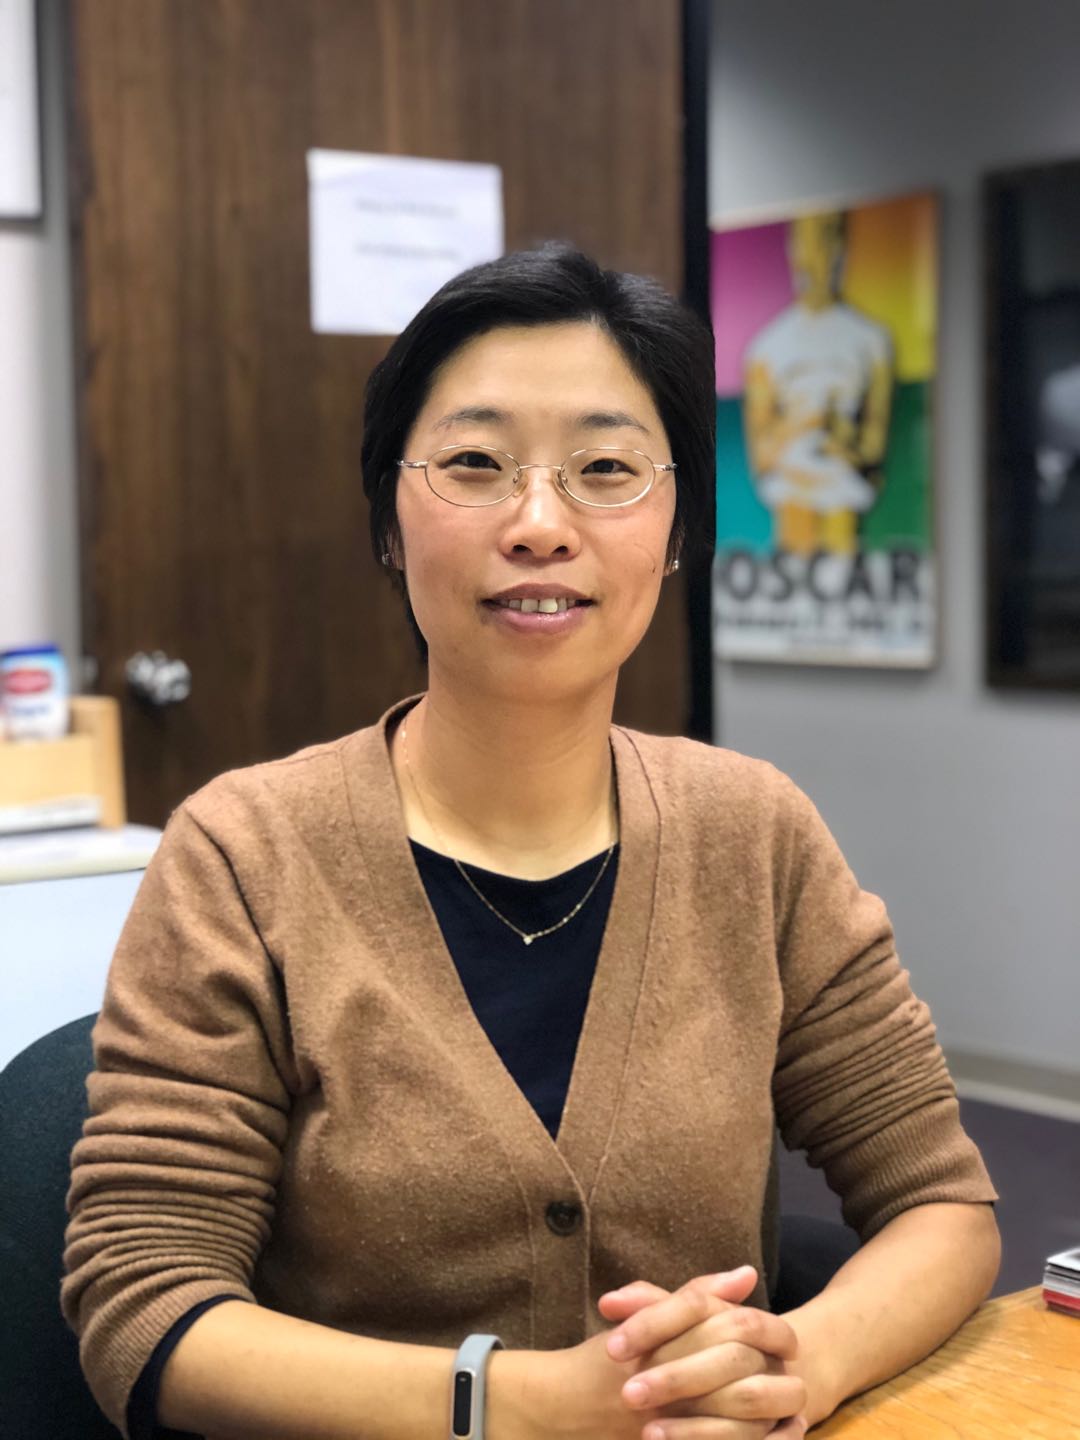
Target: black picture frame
(702,715)
(1032,237)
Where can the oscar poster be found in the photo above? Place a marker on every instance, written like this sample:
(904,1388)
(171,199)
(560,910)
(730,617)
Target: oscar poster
(826,329)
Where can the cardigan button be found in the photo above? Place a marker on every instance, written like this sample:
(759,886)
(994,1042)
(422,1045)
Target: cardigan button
(562,1218)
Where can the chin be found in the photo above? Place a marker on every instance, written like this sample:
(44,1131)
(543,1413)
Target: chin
(542,682)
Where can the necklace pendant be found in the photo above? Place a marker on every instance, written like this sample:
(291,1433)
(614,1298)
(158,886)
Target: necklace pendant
(527,939)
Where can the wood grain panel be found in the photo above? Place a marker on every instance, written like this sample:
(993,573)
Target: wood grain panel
(223,515)
(1011,1373)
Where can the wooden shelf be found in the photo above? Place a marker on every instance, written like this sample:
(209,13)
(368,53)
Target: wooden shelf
(88,761)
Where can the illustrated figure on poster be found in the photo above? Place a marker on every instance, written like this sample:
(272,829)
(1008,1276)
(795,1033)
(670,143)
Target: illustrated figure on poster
(817,401)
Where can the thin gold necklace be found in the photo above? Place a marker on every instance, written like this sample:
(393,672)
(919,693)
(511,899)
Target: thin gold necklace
(526,937)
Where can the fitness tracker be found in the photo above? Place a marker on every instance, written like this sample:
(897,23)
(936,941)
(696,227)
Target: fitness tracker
(467,1389)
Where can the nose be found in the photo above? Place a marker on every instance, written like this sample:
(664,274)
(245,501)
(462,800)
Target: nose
(540,520)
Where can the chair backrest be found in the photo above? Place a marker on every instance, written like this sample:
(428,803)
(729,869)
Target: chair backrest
(42,1108)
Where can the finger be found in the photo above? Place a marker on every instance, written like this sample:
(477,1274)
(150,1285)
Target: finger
(713,1429)
(702,1428)
(765,1331)
(758,1329)
(733,1286)
(703,1375)
(762,1397)
(655,1325)
(619,1305)
(791,1429)
(727,1285)
(690,1305)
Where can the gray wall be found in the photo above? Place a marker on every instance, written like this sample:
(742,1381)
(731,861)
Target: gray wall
(38,532)
(959,805)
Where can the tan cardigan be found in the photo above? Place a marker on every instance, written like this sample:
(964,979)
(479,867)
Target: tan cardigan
(294,1102)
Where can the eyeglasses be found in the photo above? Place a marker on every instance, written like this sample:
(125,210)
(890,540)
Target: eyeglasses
(605,477)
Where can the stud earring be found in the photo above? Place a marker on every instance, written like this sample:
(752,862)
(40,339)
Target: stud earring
(674,566)
(387,559)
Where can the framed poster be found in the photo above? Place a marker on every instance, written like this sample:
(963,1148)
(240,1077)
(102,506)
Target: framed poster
(826,337)
(20,118)
(1032,221)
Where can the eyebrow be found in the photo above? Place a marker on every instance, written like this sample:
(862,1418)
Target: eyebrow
(590,420)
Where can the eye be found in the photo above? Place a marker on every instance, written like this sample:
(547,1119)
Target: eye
(607,465)
(473,460)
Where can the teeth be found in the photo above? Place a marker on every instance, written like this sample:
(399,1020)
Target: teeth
(547,606)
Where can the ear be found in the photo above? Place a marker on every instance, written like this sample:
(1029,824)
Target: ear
(391,556)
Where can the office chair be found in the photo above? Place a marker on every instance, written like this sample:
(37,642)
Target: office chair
(802,1253)
(811,1252)
(42,1107)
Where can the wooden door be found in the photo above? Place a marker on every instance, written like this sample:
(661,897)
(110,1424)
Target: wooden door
(224,521)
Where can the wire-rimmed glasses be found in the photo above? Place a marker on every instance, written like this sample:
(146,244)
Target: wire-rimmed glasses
(605,476)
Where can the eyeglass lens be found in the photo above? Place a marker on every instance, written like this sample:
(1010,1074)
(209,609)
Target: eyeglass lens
(476,475)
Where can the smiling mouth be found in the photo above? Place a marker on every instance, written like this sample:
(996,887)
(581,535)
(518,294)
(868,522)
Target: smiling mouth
(550,606)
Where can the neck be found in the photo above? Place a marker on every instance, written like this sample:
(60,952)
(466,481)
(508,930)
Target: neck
(524,789)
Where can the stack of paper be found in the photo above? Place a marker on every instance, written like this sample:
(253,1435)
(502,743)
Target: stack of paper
(60,854)
(53,814)
(1061,1282)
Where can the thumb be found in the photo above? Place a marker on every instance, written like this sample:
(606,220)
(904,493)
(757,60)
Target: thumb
(733,1285)
(617,1305)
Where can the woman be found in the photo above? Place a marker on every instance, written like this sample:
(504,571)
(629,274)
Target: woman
(475,1021)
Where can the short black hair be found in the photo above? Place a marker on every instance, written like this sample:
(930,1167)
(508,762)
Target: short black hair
(666,345)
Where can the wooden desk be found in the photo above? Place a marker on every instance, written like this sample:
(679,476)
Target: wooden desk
(1011,1373)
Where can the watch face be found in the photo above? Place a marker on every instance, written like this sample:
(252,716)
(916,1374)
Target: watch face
(461,1424)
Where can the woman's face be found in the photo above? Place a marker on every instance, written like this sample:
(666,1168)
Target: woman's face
(538,393)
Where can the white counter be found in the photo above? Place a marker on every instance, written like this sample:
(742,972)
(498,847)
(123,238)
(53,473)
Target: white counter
(57,934)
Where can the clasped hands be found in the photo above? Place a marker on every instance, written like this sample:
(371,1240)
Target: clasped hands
(698,1365)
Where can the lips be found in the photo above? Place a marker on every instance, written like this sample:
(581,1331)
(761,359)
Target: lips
(539,610)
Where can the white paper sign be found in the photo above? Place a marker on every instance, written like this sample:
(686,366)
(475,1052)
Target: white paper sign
(20,143)
(388,230)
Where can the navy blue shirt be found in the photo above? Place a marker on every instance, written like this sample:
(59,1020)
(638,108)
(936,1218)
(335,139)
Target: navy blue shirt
(530,999)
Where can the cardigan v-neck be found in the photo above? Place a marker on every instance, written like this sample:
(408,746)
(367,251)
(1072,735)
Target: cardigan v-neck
(286,1057)
(529,999)
(423,965)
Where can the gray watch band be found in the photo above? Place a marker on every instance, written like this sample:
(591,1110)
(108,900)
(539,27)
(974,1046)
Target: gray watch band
(468,1389)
